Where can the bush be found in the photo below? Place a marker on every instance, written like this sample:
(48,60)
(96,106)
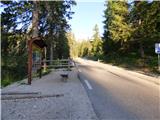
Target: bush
(6,80)
(14,68)
(133,60)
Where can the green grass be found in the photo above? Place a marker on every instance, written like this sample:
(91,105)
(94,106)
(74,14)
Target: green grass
(9,78)
(6,81)
(36,74)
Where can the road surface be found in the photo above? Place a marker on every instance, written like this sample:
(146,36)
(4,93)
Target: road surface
(118,95)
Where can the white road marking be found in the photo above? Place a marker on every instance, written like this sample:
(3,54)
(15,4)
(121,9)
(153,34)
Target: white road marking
(88,84)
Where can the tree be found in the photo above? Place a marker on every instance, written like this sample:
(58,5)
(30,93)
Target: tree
(116,29)
(13,40)
(96,42)
(48,19)
(145,19)
(35,19)
(56,25)
(131,31)
(73,45)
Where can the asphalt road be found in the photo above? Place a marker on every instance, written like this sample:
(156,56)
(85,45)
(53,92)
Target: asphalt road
(117,95)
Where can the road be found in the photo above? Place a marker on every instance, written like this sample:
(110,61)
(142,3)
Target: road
(117,95)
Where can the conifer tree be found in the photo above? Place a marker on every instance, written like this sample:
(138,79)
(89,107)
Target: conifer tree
(116,29)
(96,42)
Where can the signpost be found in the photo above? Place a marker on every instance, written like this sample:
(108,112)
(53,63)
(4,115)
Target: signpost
(157,50)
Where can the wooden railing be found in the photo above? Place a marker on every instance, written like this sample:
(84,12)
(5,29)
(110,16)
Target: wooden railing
(62,63)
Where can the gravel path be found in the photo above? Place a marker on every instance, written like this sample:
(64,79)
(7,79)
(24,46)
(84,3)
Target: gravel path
(52,99)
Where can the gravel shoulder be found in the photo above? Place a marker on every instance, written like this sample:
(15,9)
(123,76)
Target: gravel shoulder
(48,98)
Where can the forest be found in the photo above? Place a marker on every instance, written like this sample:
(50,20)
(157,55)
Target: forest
(130,33)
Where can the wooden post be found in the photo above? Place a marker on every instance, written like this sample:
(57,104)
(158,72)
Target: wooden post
(45,66)
(37,41)
(29,61)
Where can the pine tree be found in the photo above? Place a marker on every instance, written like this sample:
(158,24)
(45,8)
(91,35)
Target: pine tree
(96,42)
(117,29)
(21,20)
(145,19)
(73,45)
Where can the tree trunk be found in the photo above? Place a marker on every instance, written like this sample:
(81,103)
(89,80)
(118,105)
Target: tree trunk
(51,53)
(35,19)
(50,19)
(141,50)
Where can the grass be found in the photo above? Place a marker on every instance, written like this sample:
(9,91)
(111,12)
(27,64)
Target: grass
(9,78)
(36,74)
(6,81)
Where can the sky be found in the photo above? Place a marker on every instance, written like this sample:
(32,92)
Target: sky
(87,15)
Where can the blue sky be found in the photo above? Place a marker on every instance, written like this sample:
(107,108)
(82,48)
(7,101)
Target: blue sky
(87,14)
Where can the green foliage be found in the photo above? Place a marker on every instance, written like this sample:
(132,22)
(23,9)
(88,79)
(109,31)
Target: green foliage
(145,19)
(73,45)
(96,43)
(16,29)
(91,48)
(117,29)
(130,61)
(7,79)
(14,58)
(85,48)
(37,73)
(131,29)
(54,16)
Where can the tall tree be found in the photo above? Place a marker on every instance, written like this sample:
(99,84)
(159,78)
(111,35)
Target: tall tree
(96,42)
(56,23)
(117,29)
(144,17)
(48,19)
(73,45)
(35,19)
(139,12)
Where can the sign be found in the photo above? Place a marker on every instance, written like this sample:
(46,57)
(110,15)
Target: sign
(157,48)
